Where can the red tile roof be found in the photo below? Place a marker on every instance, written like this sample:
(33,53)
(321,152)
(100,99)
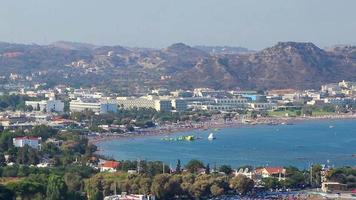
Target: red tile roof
(111,164)
(275,170)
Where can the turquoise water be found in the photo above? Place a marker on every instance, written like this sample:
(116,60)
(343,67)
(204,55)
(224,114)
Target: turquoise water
(282,145)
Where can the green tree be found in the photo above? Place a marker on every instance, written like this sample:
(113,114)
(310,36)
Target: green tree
(216,190)
(178,167)
(226,169)
(194,165)
(316,175)
(6,193)
(73,181)
(241,184)
(201,187)
(25,189)
(163,187)
(207,169)
(96,189)
(160,187)
(296,178)
(2,160)
(56,188)
(271,183)
(145,185)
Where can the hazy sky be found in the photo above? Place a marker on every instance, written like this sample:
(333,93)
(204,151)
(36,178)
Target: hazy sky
(157,23)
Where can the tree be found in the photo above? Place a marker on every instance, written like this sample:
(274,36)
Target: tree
(316,175)
(96,189)
(201,187)
(296,179)
(307,110)
(178,167)
(207,169)
(2,160)
(226,169)
(241,184)
(145,185)
(271,183)
(56,188)
(73,181)
(161,186)
(194,165)
(187,183)
(26,189)
(6,193)
(27,155)
(216,190)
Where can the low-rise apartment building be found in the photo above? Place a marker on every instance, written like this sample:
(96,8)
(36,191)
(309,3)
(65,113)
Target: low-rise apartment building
(33,142)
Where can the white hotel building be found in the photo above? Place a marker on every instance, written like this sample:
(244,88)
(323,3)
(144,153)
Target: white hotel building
(98,107)
(156,103)
(50,105)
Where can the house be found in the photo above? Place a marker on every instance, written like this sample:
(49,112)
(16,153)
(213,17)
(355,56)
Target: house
(54,141)
(125,196)
(245,172)
(109,166)
(277,172)
(33,142)
(333,186)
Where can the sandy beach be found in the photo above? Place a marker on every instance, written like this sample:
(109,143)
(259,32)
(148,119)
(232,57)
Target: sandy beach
(169,129)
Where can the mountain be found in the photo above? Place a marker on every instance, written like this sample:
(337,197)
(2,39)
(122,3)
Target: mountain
(284,65)
(224,49)
(72,45)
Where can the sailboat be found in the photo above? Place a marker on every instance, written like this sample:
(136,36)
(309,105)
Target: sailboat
(211,136)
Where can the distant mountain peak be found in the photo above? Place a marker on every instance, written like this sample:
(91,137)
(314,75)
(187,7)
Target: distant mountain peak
(294,48)
(72,45)
(297,45)
(178,46)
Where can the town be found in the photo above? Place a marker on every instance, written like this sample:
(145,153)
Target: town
(55,129)
(26,107)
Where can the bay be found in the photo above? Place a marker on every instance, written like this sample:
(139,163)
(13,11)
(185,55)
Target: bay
(301,144)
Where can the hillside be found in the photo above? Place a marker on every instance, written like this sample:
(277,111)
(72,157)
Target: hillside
(285,65)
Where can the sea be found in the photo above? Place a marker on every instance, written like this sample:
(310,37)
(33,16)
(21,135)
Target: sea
(331,142)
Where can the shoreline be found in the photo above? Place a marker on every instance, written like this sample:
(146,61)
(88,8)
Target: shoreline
(213,124)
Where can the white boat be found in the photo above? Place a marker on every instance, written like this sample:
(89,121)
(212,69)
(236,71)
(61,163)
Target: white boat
(211,136)
(331,126)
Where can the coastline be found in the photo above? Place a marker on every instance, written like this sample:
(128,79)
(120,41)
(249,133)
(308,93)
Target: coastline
(213,124)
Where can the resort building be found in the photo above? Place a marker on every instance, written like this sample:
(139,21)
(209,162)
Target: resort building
(154,102)
(50,105)
(218,104)
(207,92)
(179,105)
(163,105)
(340,101)
(263,106)
(98,107)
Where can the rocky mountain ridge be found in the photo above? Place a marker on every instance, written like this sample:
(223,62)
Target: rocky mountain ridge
(284,65)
